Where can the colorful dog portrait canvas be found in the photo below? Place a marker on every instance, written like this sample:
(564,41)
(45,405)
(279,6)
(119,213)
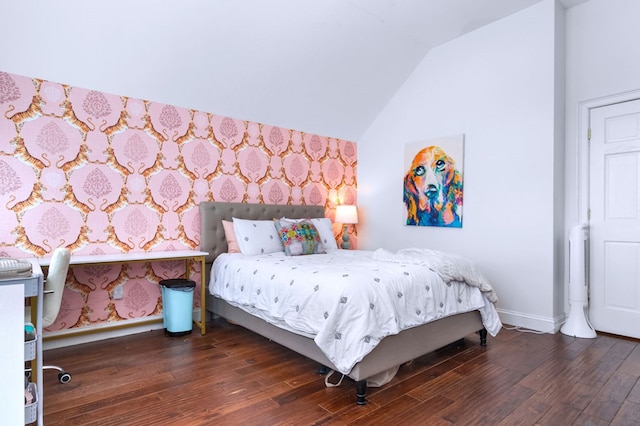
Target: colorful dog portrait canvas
(433,182)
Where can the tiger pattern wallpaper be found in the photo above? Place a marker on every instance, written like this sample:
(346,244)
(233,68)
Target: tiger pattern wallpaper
(100,173)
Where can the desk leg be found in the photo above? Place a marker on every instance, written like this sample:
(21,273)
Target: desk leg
(203,299)
(203,309)
(35,371)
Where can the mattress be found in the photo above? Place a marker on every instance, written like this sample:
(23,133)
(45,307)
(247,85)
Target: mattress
(345,300)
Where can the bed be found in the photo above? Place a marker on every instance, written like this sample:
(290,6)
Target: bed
(389,352)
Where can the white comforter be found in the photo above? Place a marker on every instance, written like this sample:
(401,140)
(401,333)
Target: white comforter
(346,300)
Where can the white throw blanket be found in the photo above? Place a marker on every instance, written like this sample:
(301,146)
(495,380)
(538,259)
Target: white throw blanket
(449,266)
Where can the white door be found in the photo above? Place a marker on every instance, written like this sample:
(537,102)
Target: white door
(614,198)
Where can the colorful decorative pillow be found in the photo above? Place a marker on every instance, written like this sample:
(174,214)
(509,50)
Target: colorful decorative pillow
(230,236)
(299,238)
(325,229)
(256,236)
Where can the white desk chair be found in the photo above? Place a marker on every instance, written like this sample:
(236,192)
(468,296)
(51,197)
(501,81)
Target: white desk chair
(53,289)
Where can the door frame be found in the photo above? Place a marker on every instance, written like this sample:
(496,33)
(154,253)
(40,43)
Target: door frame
(584,124)
(583,167)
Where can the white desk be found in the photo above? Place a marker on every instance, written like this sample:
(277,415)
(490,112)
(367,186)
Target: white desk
(186,255)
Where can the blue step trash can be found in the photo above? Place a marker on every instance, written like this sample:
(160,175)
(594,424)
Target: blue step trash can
(177,302)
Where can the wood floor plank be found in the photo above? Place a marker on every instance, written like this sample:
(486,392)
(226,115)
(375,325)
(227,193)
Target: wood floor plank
(586,419)
(402,386)
(231,376)
(482,390)
(504,405)
(623,349)
(559,414)
(631,364)
(435,386)
(389,413)
(629,414)
(610,398)
(556,366)
(634,395)
(424,412)
(528,413)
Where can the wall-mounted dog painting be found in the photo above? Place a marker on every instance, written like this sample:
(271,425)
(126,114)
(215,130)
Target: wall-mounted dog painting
(433,184)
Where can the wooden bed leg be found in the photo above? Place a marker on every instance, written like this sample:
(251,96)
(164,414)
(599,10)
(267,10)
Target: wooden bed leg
(483,337)
(361,392)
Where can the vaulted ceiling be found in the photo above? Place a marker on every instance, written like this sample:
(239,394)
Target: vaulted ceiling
(320,66)
(330,66)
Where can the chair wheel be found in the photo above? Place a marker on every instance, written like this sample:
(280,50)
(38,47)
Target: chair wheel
(64,377)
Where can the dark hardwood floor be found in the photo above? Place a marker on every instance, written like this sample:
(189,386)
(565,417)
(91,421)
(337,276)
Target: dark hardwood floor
(231,376)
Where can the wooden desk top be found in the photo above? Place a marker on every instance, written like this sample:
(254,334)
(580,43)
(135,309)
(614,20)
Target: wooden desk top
(128,257)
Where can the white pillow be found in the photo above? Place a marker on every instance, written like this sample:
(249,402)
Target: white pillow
(325,229)
(257,236)
(290,219)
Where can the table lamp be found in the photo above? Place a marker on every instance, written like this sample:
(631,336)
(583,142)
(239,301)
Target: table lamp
(347,215)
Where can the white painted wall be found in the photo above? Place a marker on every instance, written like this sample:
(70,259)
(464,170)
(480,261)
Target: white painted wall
(603,59)
(496,85)
(560,235)
(603,62)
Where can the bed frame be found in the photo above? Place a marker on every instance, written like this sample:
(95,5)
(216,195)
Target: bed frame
(392,351)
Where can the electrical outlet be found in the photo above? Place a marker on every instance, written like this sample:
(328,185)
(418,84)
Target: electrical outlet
(118,292)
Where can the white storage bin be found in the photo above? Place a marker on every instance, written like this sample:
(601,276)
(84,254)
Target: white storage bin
(30,343)
(31,410)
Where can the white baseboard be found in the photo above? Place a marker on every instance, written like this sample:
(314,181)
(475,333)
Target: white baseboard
(531,322)
(71,337)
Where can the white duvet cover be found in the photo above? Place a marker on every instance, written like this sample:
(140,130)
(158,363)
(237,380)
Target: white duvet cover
(345,299)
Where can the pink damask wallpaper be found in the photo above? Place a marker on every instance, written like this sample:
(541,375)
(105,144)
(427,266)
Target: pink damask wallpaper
(101,173)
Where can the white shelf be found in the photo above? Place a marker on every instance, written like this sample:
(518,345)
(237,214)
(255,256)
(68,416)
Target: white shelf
(16,350)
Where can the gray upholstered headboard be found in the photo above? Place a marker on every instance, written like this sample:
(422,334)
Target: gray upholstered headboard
(212,213)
